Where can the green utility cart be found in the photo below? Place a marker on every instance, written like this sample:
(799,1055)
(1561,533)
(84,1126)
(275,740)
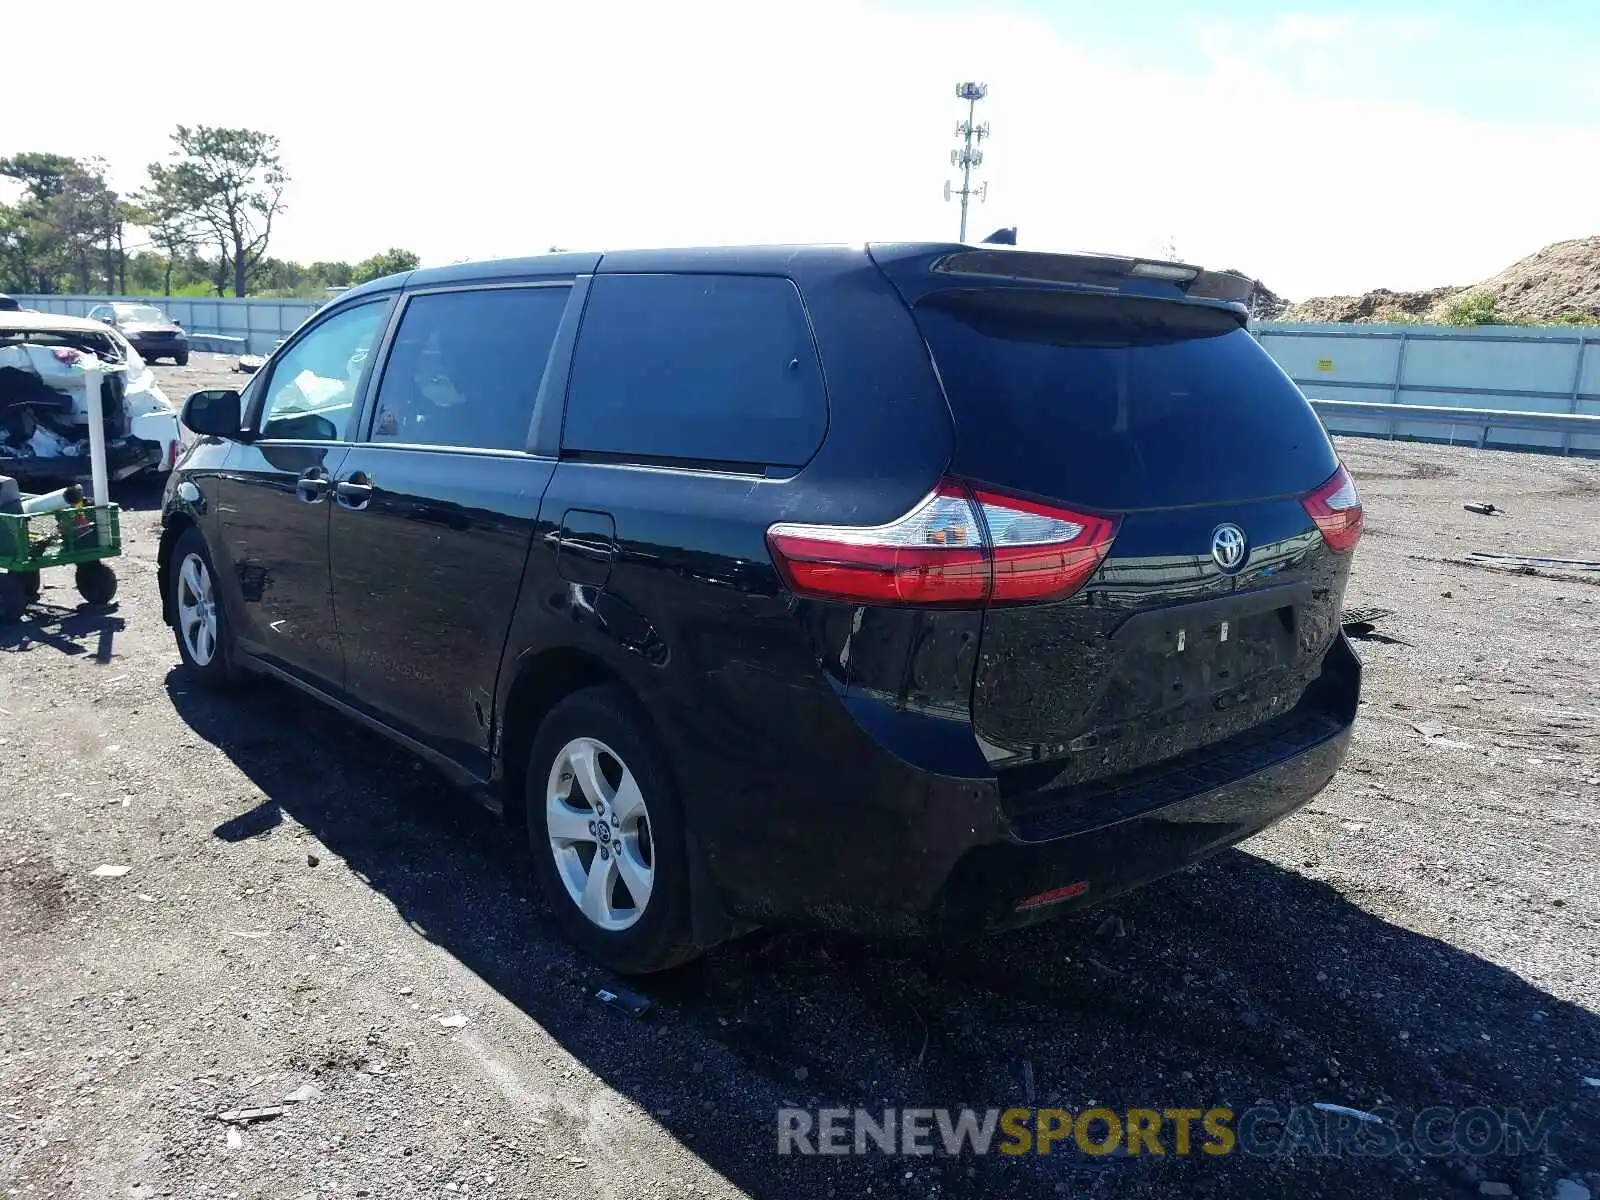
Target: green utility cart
(82,537)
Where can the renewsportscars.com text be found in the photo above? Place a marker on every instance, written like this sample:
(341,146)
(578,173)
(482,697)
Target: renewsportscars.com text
(1263,1131)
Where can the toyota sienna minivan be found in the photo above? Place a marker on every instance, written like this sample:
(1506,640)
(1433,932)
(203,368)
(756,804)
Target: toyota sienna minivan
(910,590)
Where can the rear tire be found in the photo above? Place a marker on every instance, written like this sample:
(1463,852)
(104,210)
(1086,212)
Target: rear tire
(604,824)
(200,624)
(32,585)
(97,583)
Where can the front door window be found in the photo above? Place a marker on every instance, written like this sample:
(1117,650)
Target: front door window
(314,383)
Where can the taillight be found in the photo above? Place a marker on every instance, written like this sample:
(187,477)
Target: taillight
(1336,508)
(957,546)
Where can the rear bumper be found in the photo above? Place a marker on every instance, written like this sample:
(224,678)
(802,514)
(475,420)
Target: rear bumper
(124,457)
(160,347)
(900,851)
(990,885)
(161,430)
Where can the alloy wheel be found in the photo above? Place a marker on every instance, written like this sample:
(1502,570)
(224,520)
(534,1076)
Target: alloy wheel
(599,833)
(197,610)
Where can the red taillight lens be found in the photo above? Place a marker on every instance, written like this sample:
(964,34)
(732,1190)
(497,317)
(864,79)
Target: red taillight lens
(956,547)
(1041,552)
(1336,508)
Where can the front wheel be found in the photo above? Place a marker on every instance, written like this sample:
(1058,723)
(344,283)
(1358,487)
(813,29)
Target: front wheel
(97,583)
(199,622)
(607,834)
(181,360)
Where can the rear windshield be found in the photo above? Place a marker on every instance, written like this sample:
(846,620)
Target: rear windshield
(1119,403)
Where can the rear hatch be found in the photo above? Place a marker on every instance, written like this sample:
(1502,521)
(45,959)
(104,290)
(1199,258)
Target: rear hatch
(1098,393)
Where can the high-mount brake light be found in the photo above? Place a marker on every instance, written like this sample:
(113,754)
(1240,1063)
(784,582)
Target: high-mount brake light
(1336,509)
(957,546)
(1161,270)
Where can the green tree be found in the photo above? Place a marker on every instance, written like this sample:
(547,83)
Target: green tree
(161,208)
(391,262)
(323,275)
(67,218)
(229,183)
(16,251)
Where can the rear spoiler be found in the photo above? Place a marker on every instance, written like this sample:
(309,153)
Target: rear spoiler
(940,266)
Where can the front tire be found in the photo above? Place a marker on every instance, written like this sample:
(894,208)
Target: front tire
(607,834)
(97,583)
(181,360)
(205,643)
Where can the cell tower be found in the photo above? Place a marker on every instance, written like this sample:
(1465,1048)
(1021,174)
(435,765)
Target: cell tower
(968,156)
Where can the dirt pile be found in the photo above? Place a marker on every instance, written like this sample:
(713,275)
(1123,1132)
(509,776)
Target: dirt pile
(1561,283)
(1379,306)
(1558,282)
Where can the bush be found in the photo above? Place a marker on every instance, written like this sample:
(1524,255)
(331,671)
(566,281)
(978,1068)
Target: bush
(1478,308)
(1392,314)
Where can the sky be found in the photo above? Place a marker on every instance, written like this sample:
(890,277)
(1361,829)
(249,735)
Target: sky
(1322,149)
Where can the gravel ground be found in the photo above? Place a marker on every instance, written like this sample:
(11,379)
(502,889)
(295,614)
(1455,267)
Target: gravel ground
(303,904)
(203,371)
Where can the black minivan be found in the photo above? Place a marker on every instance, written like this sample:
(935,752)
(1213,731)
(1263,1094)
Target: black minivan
(918,590)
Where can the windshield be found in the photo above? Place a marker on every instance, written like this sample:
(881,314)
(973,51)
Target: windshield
(143,313)
(1117,402)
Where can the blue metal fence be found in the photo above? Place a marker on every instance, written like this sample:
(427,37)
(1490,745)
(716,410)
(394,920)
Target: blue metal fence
(1359,369)
(1552,371)
(247,326)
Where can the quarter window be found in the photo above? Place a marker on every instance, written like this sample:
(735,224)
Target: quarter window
(708,368)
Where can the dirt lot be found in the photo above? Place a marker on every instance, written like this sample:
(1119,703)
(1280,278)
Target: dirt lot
(302,904)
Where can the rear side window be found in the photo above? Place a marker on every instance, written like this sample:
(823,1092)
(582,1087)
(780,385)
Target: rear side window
(465,367)
(1119,403)
(705,368)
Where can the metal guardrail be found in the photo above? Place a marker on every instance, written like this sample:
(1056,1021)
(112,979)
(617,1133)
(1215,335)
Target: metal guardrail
(1478,421)
(218,343)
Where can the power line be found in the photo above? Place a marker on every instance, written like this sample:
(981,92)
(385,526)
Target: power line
(968,156)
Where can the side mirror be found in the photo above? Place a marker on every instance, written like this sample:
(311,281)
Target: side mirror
(212,413)
(177,323)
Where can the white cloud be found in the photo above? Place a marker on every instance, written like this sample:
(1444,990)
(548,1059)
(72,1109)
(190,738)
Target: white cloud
(470,129)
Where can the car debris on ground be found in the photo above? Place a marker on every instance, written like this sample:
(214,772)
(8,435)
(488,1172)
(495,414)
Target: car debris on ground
(1483,509)
(1344,1110)
(247,1116)
(631,1003)
(1533,564)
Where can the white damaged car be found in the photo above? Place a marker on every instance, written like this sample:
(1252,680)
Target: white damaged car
(44,419)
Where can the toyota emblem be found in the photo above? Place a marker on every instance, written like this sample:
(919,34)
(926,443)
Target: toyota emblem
(1228,547)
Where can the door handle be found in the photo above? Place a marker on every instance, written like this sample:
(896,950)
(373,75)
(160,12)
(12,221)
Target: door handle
(354,492)
(312,487)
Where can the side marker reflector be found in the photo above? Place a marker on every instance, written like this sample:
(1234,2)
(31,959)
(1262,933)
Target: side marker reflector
(1054,895)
